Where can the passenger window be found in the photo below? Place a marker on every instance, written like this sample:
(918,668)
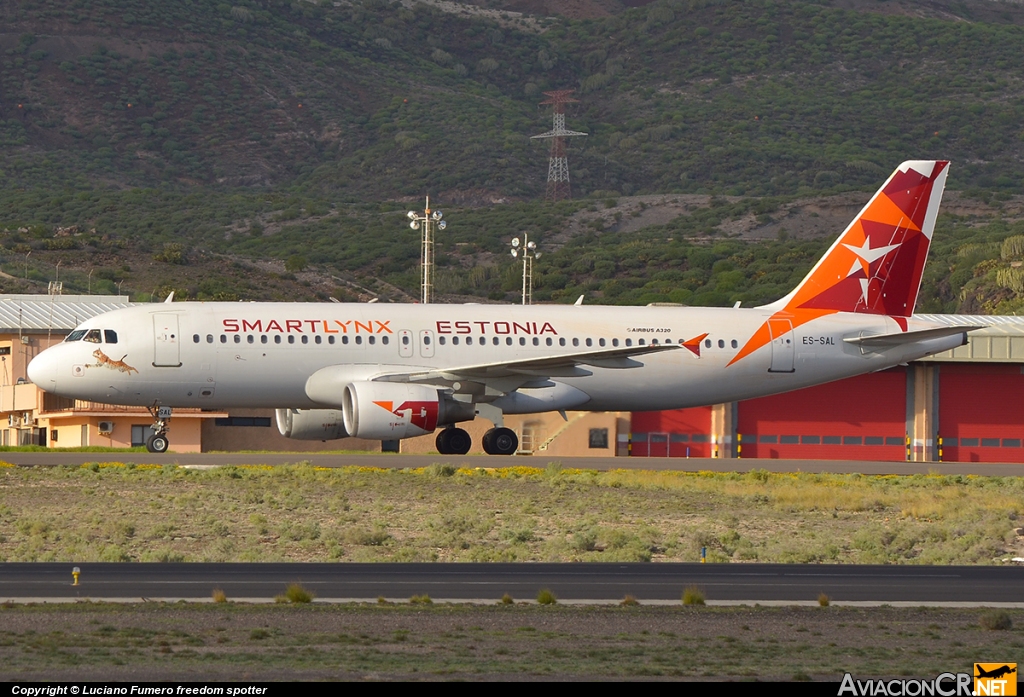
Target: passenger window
(291,339)
(508,341)
(209,338)
(495,341)
(469,340)
(330,339)
(263,338)
(600,342)
(223,339)
(707,343)
(305,339)
(93,337)
(654,342)
(721,343)
(590,342)
(195,338)
(455,341)
(76,335)
(318,339)
(110,336)
(642,342)
(575,342)
(383,340)
(548,341)
(250,338)
(522,341)
(277,338)
(405,340)
(344,339)
(629,342)
(615,342)
(441,340)
(536,341)
(359,339)
(561,341)
(735,344)
(238,338)
(372,340)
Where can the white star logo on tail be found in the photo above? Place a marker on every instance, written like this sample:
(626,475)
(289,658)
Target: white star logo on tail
(867,255)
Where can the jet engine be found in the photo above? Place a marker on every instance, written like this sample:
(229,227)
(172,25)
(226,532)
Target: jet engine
(388,411)
(311,424)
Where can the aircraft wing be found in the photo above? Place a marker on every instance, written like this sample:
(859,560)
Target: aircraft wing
(884,341)
(509,375)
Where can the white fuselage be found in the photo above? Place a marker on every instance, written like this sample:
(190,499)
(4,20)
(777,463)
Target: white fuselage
(299,355)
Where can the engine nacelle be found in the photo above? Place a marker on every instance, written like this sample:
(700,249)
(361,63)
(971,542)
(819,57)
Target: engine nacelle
(390,411)
(311,424)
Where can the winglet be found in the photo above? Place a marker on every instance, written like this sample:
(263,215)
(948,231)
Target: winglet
(170,297)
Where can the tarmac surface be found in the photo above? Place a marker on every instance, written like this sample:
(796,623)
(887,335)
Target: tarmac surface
(769,584)
(596,463)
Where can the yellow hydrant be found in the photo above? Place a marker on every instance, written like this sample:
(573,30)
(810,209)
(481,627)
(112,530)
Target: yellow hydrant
(74,572)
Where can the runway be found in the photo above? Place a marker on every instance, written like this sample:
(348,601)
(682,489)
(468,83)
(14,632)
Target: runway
(56,458)
(608,583)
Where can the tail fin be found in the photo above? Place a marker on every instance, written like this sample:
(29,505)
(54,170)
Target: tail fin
(876,265)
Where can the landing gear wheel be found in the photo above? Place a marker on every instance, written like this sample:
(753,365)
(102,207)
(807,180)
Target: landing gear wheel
(157,444)
(453,441)
(501,441)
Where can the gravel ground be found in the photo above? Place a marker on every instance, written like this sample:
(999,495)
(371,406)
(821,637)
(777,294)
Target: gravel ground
(189,642)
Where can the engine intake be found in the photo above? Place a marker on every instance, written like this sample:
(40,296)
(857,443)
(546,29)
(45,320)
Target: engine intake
(311,424)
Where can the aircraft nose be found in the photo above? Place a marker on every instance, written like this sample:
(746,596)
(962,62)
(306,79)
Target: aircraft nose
(42,371)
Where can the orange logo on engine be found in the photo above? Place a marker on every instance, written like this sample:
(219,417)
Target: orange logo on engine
(422,415)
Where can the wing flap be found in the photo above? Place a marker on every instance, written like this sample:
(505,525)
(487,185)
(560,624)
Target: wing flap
(564,365)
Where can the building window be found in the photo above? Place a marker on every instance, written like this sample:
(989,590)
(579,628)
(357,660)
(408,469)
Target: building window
(599,438)
(140,433)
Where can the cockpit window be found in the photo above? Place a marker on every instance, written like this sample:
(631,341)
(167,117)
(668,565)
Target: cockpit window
(93,336)
(76,335)
(110,336)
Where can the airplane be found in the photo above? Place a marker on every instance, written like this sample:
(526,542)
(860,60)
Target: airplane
(393,371)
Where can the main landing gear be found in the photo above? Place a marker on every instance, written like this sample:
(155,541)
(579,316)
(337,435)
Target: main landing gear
(453,441)
(500,441)
(158,443)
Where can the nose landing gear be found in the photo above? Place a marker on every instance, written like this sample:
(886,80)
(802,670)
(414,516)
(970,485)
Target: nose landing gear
(158,443)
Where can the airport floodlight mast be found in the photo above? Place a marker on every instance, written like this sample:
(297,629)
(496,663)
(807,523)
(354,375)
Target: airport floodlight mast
(528,252)
(427,222)
(558,165)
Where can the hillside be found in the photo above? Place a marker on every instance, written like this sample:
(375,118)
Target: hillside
(196,138)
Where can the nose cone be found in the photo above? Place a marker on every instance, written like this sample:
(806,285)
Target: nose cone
(42,371)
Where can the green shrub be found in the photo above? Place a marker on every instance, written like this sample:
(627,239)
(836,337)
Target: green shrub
(996,620)
(297,594)
(693,595)
(546,597)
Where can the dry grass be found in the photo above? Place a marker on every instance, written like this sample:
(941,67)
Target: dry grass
(219,596)
(692,595)
(206,642)
(123,512)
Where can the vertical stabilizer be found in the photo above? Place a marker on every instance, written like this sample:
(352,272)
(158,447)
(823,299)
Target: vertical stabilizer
(877,263)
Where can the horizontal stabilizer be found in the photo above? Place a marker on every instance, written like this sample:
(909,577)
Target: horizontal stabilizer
(887,340)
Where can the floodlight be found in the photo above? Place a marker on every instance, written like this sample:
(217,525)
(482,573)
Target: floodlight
(438,215)
(415,225)
(443,224)
(532,245)
(515,241)
(537,255)
(412,215)
(515,252)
